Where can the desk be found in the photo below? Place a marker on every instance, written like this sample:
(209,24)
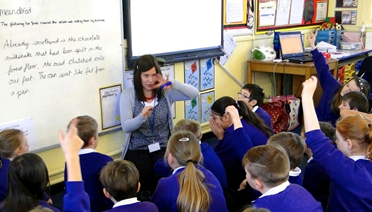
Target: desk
(303,71)
(355,55)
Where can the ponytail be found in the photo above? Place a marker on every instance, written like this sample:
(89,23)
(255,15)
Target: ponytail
(194,194)
(250,117)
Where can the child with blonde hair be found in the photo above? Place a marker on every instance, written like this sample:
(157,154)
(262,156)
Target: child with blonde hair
(13,142)
(210,159)
(349,165)
(191,187)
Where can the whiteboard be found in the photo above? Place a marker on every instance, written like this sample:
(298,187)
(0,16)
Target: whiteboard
(55,55)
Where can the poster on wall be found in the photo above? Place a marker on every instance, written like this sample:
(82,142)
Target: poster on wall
(110,110)
(206,74)
(207,100)
(192,73)
(192,109)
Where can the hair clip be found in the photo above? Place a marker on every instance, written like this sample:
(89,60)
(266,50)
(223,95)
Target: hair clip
(361,84)
(137,66)
(184,139)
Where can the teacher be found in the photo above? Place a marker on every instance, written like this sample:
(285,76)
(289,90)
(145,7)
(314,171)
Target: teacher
(146,116)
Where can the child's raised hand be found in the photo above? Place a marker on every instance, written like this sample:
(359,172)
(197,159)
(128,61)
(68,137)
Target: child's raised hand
(309,87)
(71,143)
(312,37)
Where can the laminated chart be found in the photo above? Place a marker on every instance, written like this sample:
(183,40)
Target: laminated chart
(192,109)
(192,73)
(207,100)
(206,74)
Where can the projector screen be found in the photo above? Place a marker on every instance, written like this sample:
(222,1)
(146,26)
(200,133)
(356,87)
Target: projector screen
(173,29)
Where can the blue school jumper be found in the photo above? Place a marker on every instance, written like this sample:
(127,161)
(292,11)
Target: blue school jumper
(91,163)
(167,191)
(75,199)
(288,198)
(330,86)
(210,162)
(236,143)
(316,181)
(4,178)
(351,179)
(232,148)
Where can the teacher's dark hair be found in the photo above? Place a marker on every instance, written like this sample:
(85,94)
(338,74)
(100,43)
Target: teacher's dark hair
(27,181)
(143,64)
(221,104)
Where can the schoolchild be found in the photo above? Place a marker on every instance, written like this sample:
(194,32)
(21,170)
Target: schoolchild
(27,182)
(91,163)
(349,165)
(233,141)
(267,168)
(191,187)
(253,96)
(327,109)
(210,159)
(120,179)
(316,180)
(294,145)
(13,142)
(354,100)
(75,199)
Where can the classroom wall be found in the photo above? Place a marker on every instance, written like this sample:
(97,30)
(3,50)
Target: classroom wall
(111,143)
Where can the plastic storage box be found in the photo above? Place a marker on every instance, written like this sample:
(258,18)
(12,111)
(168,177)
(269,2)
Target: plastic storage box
(331,36)
(351,45)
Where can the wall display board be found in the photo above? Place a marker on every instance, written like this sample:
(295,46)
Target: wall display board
(55,56)
(281,14)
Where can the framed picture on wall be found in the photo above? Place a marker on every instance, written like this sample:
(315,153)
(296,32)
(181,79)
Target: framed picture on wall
(347,3)
(346,17)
